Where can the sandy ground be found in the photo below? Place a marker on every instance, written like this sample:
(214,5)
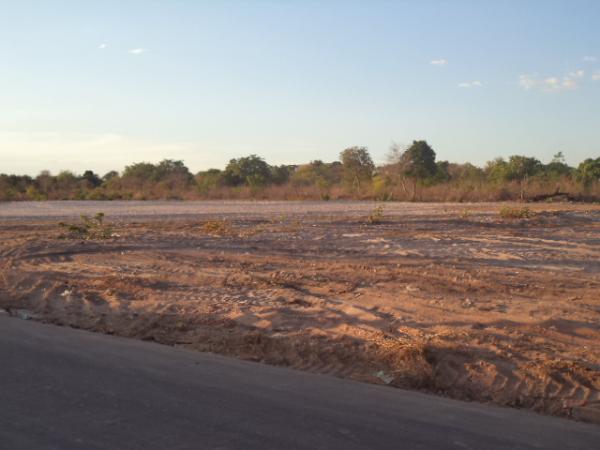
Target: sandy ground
(450,299)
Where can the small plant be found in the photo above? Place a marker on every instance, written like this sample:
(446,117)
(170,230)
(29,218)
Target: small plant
(217,227)
(90,228)
(465,214)
(508,212)
(376,215)
(278,219)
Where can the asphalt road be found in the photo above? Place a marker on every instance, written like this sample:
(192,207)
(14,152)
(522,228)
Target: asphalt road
(67,389)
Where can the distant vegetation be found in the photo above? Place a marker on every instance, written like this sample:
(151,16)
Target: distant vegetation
(411,173)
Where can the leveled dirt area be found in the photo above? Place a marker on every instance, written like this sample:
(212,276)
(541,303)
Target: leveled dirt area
(450,299)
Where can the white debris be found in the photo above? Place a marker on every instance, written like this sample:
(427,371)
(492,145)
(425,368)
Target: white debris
(386,378)
(25,315)
(467,303)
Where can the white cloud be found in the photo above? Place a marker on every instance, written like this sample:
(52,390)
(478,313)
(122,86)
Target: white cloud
(577,74)
(137,51)
(589,59)
(596,76)
(527,82)
(438,62)
(102,46)
(568,82)
(470,84)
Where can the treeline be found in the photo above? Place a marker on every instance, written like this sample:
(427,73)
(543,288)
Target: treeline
(411,173)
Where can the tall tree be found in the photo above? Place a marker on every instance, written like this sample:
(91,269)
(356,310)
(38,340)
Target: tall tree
(418,163)
(521,168)
(250,170)
(588,172)
(91,179)
(357,166)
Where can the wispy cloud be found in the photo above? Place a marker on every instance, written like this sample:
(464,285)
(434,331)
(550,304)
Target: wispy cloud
(438,62)
(527,82)
(576,74)
(137,51)
(568,82)
(596,76)
(470,84)
(102,46)
(589,59)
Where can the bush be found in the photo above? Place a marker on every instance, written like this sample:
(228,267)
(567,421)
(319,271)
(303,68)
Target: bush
(376,215)
(217,227)
(508,212)
(90,228)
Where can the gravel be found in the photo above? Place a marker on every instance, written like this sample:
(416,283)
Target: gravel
(185,209)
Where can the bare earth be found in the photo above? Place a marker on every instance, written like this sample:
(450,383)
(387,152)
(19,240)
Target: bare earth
(445,298)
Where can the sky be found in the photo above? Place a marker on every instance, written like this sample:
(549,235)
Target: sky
(102,84)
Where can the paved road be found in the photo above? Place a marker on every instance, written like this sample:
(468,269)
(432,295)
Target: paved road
(68,389)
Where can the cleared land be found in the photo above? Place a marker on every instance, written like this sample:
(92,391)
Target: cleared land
(450,299)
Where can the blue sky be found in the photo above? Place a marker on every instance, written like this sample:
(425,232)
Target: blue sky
(102,84)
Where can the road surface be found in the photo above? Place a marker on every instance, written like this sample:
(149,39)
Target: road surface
(68,389)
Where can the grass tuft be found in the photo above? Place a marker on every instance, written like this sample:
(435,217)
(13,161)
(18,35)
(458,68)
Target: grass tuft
(217,227)
(376,215)
(90,228)
(508,212)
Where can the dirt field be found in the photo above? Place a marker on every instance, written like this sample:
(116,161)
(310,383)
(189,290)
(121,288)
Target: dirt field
(449,299)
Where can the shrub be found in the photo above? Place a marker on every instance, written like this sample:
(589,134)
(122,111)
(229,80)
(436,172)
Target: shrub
(508,212)
(90,228)
(465,214)
(217,227)
(376,215)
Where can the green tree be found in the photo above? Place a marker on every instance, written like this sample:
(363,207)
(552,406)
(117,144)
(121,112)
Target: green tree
(521,168)
(173,169)
(140,172)
(109,175)
(45,182)
(588,172)
(68,185)
(208,180)
(518,168)
(173,176)
(357,166)
(442,172)
(497,170)
(250,170)
(319,174)
(557,167)
(281,174)
(91,179)
(417,163)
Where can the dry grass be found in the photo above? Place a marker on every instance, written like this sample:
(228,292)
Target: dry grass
(376,215)
(90,228)
(217,227)
(508,212)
